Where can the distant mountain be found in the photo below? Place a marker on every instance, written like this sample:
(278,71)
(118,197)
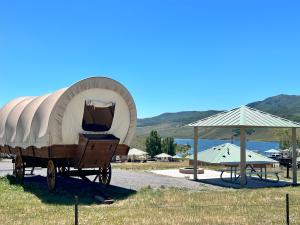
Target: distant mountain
(178,118)
(286,106)
(170,124)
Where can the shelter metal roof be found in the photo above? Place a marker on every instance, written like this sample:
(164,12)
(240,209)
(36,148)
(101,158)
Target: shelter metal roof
(245,117)
(230,153)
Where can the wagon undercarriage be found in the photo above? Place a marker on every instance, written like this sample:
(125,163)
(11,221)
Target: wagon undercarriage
(102,174)
(91,157)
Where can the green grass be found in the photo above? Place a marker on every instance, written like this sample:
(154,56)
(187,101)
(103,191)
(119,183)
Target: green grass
(159,166)
(19,205)
(150,165)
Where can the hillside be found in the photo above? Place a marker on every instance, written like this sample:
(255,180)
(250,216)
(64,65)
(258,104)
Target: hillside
(179,117)
(286,106)
(171,124)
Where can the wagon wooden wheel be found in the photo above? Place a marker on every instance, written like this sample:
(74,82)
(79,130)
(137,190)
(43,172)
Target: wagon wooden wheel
(19,169)
(105,175)
(51,175)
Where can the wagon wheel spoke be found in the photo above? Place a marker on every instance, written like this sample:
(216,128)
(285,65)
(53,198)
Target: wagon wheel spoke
(105,175)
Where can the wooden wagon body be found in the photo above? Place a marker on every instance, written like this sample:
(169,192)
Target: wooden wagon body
(72,132)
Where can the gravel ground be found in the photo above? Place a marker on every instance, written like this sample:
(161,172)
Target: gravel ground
(130,179)
(5,167)
(135,180)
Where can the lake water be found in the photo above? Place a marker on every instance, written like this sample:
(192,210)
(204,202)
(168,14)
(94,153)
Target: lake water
(204,144)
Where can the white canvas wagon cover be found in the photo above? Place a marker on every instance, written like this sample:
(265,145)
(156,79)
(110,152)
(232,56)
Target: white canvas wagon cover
(57,118)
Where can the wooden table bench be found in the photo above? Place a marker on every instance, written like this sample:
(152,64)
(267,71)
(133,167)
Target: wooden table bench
(262,175)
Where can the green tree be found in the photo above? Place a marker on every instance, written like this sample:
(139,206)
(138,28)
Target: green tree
(168,146)
(183,149)
(285,140)
(153,144)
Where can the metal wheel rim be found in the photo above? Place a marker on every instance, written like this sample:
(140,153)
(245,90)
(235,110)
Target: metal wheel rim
(19,169)
(105,175)
(51,175)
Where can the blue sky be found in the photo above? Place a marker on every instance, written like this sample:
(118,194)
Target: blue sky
(172,55)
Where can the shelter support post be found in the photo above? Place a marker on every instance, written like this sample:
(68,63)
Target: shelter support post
(243,156)
(195,152)
(294,155)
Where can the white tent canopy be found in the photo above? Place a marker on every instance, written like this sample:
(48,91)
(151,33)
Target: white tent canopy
(163,155)
(272,151)
(55,119)
(136,152)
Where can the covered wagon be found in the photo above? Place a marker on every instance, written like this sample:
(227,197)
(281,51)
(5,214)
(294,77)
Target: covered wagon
(75,131)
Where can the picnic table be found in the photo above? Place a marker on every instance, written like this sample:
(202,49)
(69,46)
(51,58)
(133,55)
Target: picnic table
(255,168)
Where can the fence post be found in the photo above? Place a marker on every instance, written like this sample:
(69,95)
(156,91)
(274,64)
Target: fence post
(287,209)
(76,210)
